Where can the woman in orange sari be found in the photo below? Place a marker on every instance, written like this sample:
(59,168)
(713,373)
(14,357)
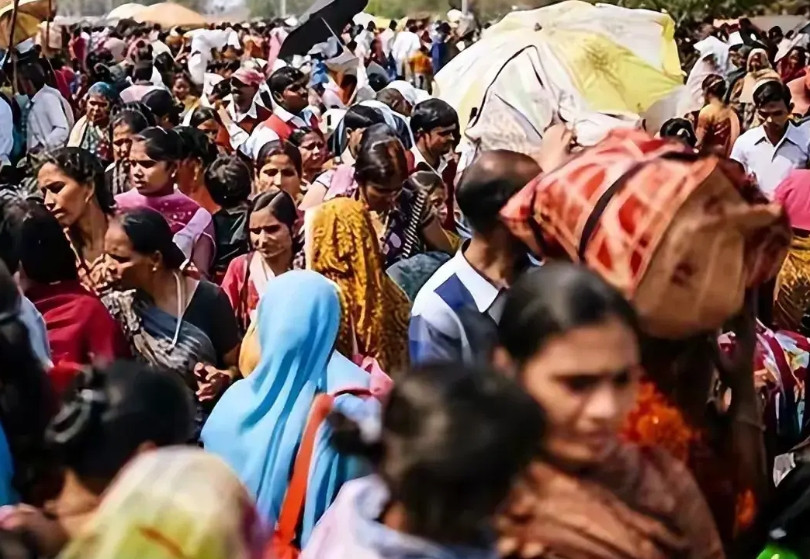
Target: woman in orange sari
(718,126)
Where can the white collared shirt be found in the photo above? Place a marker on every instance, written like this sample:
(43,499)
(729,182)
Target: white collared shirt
(455,315)
(239,117)
(769,163)
(237,134)
(289,117)
(48,125)
(419,158)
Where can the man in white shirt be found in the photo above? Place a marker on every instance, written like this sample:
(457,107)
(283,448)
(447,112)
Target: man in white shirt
(244,112)
(771,151)
(202,42)
(363,41)
(406,44)
(387,38)
(48,122)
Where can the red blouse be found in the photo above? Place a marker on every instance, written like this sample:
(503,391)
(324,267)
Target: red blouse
(80,329)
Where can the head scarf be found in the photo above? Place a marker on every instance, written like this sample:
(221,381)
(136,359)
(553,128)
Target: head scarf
(344,248)
(754,78)
(105,90)
(257,425)
(713,58)
(412,95)
(248,76)
(172,503)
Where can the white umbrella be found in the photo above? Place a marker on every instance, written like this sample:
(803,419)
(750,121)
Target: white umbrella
(124,11)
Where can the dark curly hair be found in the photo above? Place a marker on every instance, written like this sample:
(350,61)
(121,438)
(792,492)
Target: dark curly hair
(83,167)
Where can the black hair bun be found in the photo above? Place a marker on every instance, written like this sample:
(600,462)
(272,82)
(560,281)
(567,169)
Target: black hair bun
(83,406)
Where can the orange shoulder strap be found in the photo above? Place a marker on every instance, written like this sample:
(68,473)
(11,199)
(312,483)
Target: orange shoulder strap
(297,490)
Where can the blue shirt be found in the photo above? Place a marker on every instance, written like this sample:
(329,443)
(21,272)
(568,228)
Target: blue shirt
(455,315)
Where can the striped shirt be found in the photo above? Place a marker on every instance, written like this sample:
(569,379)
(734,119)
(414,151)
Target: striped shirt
(455,315)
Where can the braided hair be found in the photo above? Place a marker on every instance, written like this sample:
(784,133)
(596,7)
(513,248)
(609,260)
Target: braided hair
(83,167)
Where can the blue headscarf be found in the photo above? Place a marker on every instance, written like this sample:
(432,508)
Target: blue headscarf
(105,90)
(257,425)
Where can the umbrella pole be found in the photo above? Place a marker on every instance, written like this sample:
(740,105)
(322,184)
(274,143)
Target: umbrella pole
(332,31)
(14,10)
(48,28)
(11,50)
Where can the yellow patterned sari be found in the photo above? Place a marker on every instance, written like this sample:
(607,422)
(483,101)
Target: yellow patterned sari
(342,246)
(792,294)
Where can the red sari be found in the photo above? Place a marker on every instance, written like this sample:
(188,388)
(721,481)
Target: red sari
(80,329)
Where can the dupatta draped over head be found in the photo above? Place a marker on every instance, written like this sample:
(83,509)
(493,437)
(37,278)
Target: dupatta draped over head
(344,248)
(257,425)
(755,77)
(173,503)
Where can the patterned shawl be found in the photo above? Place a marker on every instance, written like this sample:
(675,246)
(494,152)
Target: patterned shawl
(173,503)
(635,504)
(343,247)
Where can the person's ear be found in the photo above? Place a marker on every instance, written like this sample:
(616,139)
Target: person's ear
(155,261)
(277,97)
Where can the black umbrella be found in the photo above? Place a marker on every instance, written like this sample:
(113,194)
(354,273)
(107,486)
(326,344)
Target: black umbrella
(318,23)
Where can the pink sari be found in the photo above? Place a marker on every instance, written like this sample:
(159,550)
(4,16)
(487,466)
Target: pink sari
(192,225)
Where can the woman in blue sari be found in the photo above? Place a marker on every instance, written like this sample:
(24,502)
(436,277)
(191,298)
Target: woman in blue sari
(172,321)
(258,424)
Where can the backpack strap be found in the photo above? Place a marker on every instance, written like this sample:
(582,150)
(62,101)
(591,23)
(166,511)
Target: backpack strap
(293,503)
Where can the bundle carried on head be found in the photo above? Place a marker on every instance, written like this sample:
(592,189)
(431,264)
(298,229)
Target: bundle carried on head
(681,235)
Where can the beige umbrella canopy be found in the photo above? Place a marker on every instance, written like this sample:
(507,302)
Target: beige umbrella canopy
(124,11)
(30,13)
(169,14)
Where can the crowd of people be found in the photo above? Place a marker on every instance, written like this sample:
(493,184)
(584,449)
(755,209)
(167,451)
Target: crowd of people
(251,307)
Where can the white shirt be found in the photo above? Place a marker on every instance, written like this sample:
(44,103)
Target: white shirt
(387,40)
(48,124)
(260,136)
(405,45)
(6,137)
(287,116)
(363,41)
(238,134)
(419,158)
(769,163)
(202,41)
